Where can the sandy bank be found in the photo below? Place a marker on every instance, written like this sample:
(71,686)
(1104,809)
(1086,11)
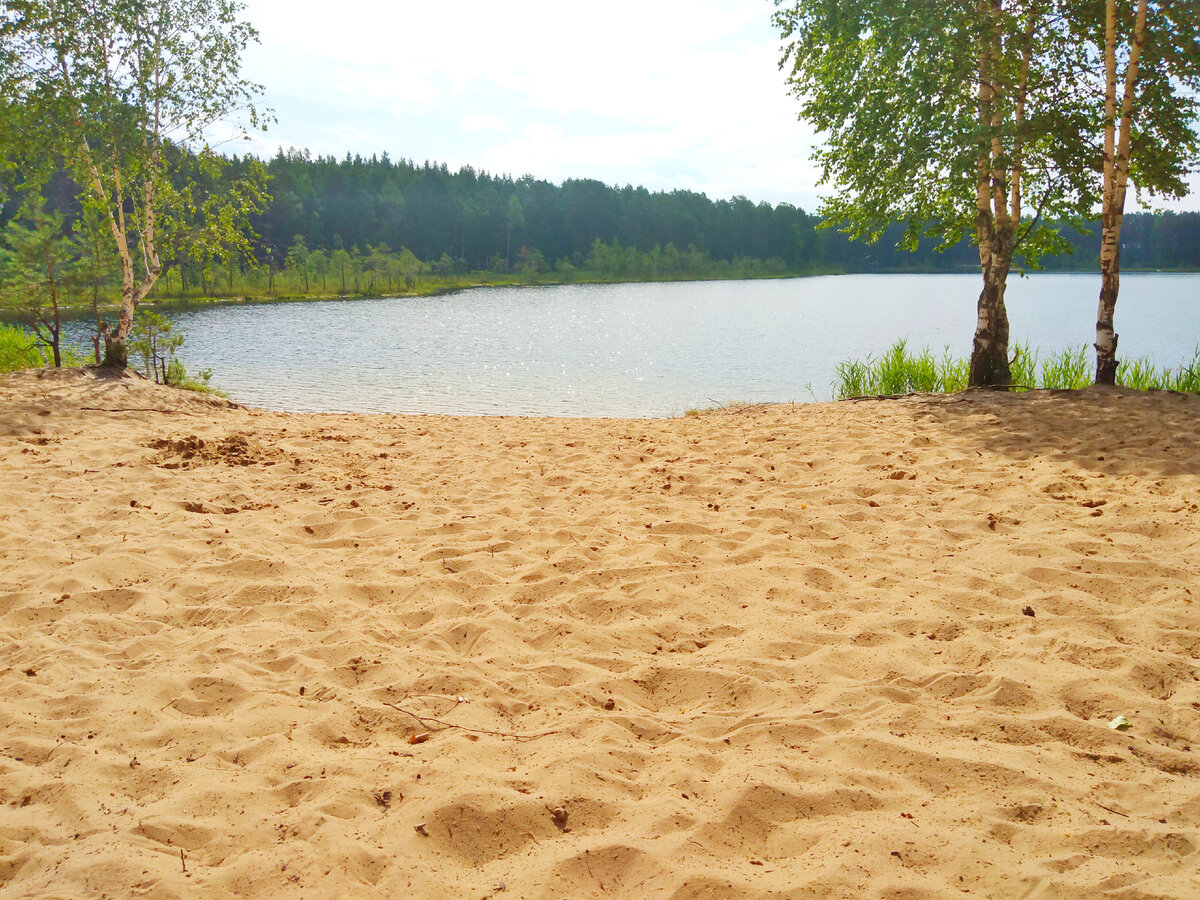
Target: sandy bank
(775,653)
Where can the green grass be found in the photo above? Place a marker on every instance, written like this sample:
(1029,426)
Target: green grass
(198,382)
(1023,365)
(1141,374)
(900,372)
(1068,370)
(19,349)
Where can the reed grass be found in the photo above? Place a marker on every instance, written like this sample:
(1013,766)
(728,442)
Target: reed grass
(898,371)
(1023,365)
(1068,369)
(1143,375)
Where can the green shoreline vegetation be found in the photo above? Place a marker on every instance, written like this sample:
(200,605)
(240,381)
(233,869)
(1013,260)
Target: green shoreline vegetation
(900,371)
(321,228)
(20,349)
(381,273)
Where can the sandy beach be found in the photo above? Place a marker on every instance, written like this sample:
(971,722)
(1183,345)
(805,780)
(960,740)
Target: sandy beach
(857,650)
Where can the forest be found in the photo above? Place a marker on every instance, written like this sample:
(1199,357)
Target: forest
(477,221)
(321,226)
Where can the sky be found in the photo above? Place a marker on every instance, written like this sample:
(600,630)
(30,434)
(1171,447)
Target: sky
(665,94)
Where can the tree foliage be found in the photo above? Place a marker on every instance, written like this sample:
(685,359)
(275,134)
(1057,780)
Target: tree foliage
(895,90)
(364,201)
(952,117)
(40,265)
(660,235)
(108,89)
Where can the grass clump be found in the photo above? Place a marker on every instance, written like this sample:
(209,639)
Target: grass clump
(1068,369)
(1142,375)
(900,372)
(20,349)
(1023,365)
(854,379)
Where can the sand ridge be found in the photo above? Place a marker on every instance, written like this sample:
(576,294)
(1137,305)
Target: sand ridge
(777,652)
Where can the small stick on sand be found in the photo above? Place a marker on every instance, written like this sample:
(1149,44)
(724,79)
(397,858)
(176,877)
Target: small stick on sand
(425,720)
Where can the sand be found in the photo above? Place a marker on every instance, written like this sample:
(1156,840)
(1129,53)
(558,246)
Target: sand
(866,649)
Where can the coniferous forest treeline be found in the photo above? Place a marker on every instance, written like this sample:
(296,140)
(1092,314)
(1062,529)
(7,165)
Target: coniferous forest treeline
(359,226)
(483,221)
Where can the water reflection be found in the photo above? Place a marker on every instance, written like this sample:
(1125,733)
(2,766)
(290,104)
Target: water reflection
(639,350)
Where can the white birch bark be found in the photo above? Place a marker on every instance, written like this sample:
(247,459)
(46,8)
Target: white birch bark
(1117,143)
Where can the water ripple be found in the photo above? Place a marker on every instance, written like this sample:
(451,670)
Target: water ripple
(643,349)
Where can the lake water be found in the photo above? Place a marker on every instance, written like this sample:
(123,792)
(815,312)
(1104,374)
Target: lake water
(634,350)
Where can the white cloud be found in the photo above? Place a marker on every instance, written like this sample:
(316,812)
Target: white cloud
(489,122)
(670,93)
(665,93)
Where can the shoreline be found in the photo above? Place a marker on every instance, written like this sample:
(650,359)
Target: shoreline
(155,304)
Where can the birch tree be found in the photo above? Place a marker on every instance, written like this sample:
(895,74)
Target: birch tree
(1149,54)
(111,85)
(955,118)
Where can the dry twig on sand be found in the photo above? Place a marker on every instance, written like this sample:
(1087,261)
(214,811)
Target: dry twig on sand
(444,725)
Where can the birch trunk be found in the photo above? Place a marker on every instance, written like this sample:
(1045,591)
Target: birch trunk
(989,352)
(1116,183)
(989,365)
(1110,287)
(133,292)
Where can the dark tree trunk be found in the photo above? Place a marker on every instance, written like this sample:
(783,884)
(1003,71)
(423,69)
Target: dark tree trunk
(1106,357)
(989,353)
(1110,287)
(116,351)
(102,331)
(55,328)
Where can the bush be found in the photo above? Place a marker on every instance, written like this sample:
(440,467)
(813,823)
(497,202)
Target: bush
(155,339)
